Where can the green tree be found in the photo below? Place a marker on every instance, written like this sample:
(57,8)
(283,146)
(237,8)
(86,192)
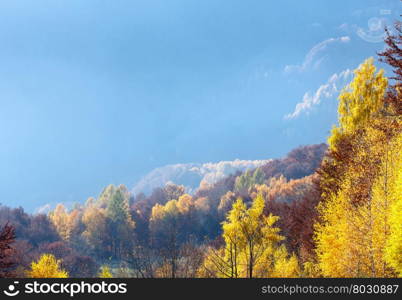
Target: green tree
(258,176)
(120,223)
(248,179)
(106,195)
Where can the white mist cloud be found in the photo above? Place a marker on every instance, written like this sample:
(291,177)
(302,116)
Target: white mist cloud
(44,209)
(332,87)
(193,175)
(313,55)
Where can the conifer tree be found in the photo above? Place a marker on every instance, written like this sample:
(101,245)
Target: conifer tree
(120,223)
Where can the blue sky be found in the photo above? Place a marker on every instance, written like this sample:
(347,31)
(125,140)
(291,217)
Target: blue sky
(97,92)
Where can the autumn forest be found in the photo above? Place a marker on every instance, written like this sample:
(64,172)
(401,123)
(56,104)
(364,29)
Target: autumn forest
(326,210)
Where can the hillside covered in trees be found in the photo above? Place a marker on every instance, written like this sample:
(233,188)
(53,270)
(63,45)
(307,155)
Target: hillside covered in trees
(327,210)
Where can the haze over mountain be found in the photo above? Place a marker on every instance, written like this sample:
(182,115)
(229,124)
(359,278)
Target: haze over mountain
(193,175)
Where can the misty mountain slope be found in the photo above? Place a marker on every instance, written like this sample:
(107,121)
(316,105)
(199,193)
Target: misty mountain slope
(193,175)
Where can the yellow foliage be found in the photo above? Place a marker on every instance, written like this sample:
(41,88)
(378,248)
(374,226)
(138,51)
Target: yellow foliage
(172,208)
(352,237)
(393,249)
(311,270)
(64,222)
(331,237)
(105,272)
(214,265)
(158,212)
(359,233)
(252,246)
(185,203)
(94,219)
(285,266)
(360,100)
(47,267)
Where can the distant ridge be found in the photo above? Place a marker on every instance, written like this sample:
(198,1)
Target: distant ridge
(193,175)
